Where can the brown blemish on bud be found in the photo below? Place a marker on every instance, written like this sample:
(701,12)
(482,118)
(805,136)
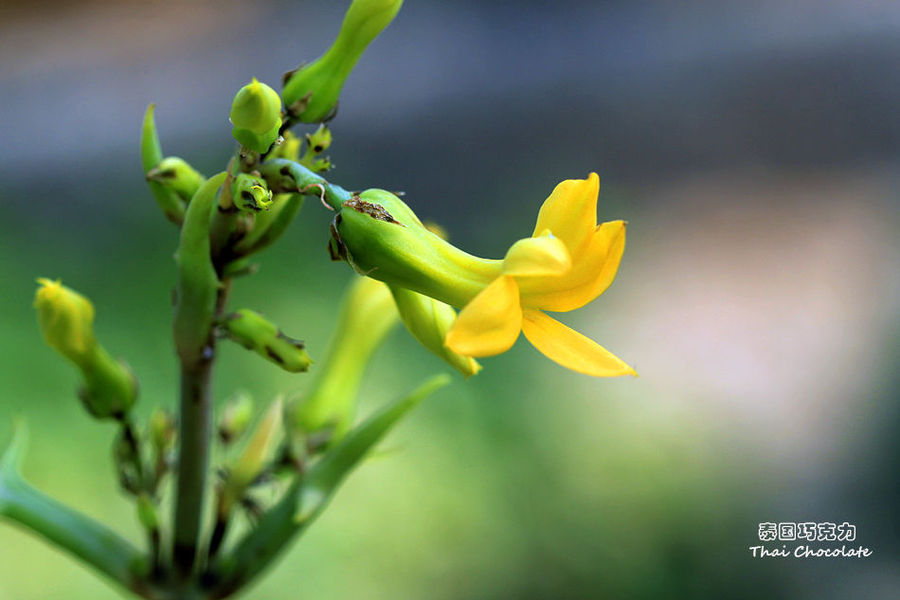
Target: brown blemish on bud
(376,211)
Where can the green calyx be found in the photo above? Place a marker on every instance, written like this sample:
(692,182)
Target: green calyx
(256,116)
(380,236)
(311,92)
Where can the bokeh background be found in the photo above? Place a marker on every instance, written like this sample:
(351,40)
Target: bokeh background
(752,146)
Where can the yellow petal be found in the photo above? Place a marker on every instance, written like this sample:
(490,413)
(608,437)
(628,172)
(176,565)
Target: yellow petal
(534,256)
(592,272)
(569,348)
(490,323)
(571,211)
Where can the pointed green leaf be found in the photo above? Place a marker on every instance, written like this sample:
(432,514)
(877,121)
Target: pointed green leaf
(151,155)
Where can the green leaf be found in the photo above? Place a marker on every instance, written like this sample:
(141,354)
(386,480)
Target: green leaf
(62,526)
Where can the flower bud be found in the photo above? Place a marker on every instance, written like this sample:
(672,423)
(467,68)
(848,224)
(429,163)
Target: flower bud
(177,175)
(66,319)
(250,193)
(146,512)
(367,315)
(252,459)
(236,417)
(256,116)
(429,320)
(316,143)
(254,332)
(311,92)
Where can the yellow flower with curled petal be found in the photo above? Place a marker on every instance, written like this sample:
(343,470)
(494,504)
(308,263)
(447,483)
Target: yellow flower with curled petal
(569,261)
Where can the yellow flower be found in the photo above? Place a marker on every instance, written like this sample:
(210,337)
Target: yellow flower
(568,262)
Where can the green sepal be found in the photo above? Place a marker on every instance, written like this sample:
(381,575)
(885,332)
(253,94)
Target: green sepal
(198,284)
(171,205)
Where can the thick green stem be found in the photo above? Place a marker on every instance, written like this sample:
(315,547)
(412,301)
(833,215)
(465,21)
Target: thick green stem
(194,433)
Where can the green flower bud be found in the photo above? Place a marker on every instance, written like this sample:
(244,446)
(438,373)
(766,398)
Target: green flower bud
(162,430)
(256,116)
(429,320)
(311,92)
(255,333)
(250,193)
(380,236)
(252,460)
(177,175)
(367,315)
(236,417)
(146,512)
(66,319)
(317,143)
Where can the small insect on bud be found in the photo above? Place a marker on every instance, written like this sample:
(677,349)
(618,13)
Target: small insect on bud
(177,175)
(66,319)
(256,116)
(250,193)
(311,92)
(254,332)
(236,417)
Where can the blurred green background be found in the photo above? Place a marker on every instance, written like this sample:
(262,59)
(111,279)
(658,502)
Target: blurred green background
(753,148)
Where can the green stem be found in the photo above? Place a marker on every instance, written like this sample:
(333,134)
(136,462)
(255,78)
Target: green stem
(285,176)
(194,433)
(64,527)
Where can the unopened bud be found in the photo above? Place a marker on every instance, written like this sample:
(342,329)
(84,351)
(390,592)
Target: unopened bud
(162,430)
(254,332)
(66,319)
(256,116)
(311,92)
(252,459)
(147,514)
(367,315)
(236,417)
(177,175)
